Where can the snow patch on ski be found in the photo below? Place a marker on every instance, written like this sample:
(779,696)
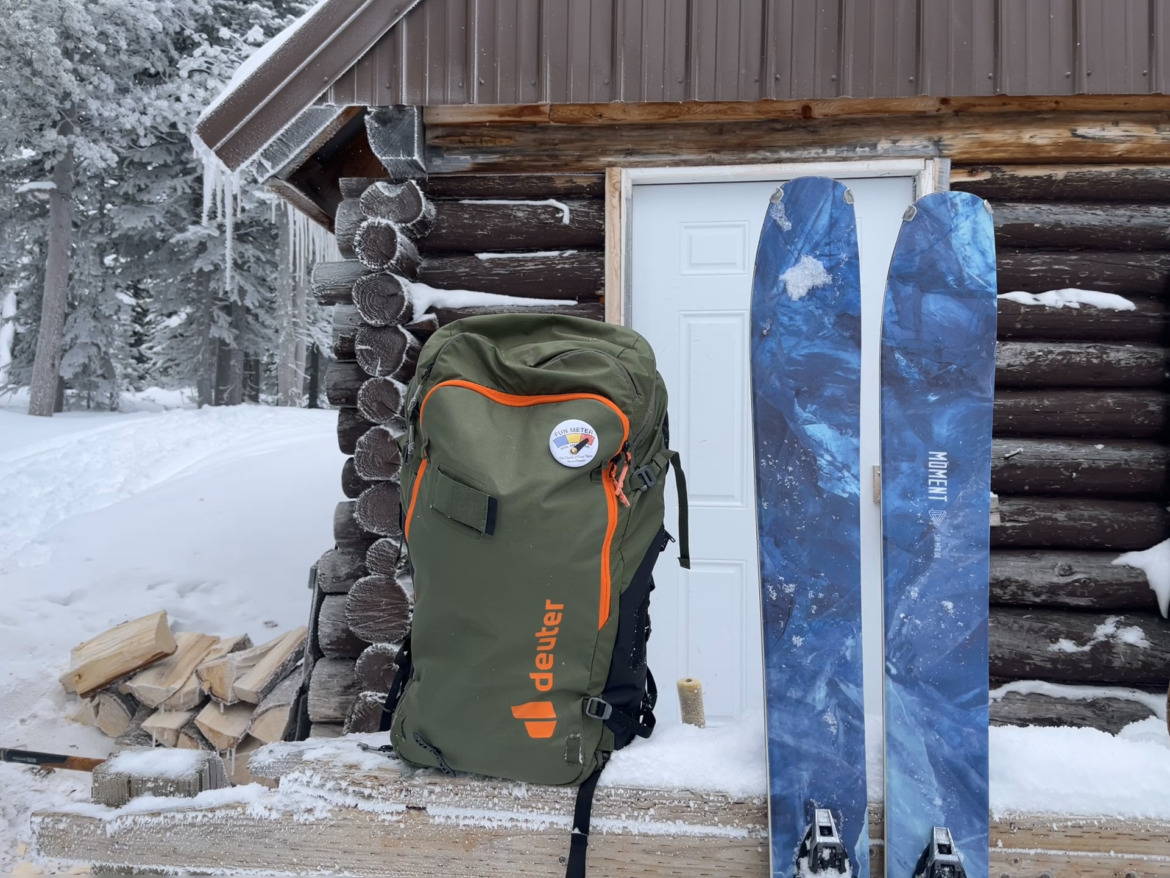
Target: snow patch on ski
(804,277)
(1155,563)
(1072,298)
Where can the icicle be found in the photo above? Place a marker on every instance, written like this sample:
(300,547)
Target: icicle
(309,243)
(7,333)
(221,189)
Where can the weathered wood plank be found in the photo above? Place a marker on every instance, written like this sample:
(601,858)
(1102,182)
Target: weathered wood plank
(1064,182)
(1081,468)
(1130,649)
(332,282)
(471,225)
(1068,225)
(1068,579)
(1079,364)
(1057,523)
(1059,138)
(1134,414)
(1110,271)
(1148,322)
(1105,714)
(573,275)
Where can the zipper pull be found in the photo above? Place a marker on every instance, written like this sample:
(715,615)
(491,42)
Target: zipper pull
(621,479)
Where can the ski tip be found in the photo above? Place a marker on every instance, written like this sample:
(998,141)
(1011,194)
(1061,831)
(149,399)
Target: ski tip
(940,858)
(821,851)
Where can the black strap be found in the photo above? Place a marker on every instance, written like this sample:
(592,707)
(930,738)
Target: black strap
(405,665)
(582,811)
(684,539)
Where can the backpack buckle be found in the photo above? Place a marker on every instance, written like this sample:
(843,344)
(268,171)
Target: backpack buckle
(646,473)
(598,708)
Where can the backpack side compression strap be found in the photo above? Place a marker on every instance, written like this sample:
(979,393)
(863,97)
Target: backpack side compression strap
(582,811)
(649,477)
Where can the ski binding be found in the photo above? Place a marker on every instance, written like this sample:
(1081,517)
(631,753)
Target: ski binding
(821,851)
(940,859)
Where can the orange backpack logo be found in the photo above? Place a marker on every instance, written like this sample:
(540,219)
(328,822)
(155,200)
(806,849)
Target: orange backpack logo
(540,718)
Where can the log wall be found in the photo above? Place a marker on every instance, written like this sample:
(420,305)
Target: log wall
(533,236)
(1080,458)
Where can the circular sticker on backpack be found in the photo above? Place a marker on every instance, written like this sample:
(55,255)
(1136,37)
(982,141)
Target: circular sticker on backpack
(573,443)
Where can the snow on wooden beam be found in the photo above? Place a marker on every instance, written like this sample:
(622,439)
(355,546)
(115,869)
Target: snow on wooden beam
(1148,321)
(1035,709)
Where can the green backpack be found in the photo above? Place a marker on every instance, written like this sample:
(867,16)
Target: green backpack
(532,497)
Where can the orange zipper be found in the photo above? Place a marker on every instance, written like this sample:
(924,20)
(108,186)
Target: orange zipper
(607,479)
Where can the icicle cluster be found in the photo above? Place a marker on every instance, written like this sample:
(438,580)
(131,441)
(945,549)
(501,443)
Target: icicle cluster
(309,243)
(222,193)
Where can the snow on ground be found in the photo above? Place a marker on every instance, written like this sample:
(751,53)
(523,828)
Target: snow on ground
(216,515)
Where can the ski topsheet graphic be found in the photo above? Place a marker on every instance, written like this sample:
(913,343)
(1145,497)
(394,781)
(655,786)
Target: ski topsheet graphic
(806,369)
(938,369)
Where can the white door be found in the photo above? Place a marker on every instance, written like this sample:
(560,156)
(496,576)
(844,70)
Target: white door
(692,252)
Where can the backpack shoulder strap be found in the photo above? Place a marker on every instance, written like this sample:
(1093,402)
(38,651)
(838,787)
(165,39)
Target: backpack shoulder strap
(645,477)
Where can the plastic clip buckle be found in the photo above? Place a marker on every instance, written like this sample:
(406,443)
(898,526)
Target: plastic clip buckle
(649,480)
(598,708)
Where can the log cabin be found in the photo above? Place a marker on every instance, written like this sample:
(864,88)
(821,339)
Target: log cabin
(614,158)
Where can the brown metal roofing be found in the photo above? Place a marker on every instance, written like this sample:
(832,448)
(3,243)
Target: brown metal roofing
(587,51)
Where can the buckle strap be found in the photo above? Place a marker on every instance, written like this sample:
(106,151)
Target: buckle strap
(646,476)
(582,811)
(463,503)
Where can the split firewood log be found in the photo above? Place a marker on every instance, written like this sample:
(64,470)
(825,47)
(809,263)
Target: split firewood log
(250,674)
(274,717)
(134,736)
(109,711)
(155,684)
(224,726)
(378,608)
(190,738)
(119,651)
(191,695)
(164,726)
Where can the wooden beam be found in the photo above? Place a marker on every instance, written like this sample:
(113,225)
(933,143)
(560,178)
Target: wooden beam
(1079,467)
(1064,182)
(571,274)
(1110,271)
(1075,523)
(1104,714)
(1079,364)
(515,186)
(1134,414)
(1010,138)
(1147,322)
(1100,226)
(1066,579)
(614,113)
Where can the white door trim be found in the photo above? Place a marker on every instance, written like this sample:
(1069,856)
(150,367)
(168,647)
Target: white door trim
(930,175)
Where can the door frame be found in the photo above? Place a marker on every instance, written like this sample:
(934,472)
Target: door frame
(930,175)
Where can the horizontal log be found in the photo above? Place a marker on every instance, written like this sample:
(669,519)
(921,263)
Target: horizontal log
(351,426)
(352,484)
(387,556)
(515,186)
(381,399)
(1033,709)
(365,714)
(375,667)
(1079,364)
(1064,182)
(422,328)
(346,530)
(377,509)
(1056,523)
(1110,271)
(1131,649)
(535,224)
(332,689)
(570,275)
(1137,414)
(383,299)
(334,635)
(590,310)
(346,221)
(1068,579)
(378,609)
(332,282)
(346,321)
(1068,225)
(343,380)
(1079,467)
(402,204)
(383,246)
(1148,322)
(377,457)
(339,568)
(387,351)
(353,187)
(1088,136)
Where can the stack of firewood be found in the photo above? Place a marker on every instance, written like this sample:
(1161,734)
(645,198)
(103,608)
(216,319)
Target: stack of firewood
(144,685)
(406,240)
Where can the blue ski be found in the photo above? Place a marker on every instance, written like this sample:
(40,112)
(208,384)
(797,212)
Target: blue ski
(938,369)
(806,371)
